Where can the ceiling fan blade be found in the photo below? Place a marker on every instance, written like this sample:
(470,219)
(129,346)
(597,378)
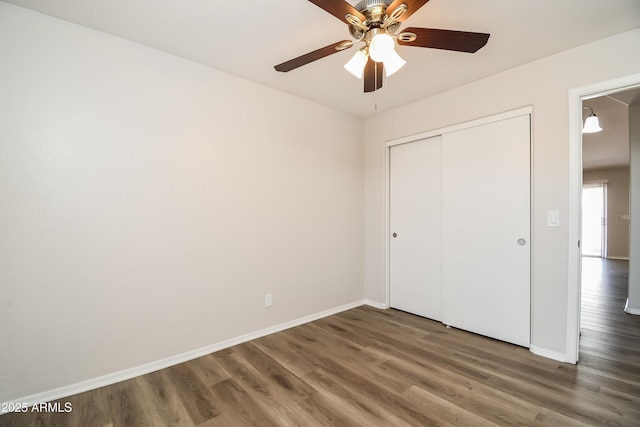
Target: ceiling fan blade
(412,7)
(461,41)
(339,9)
(373,75)
(294,63)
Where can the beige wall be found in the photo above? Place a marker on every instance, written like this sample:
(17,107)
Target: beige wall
(617,205)
(544,85)
(148,204)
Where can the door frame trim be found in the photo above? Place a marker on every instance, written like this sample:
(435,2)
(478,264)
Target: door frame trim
(423,135)
(460,126)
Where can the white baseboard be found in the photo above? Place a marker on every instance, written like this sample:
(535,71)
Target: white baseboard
(375,304)
(630,310)
(127,374)
(623,258)
(560,357)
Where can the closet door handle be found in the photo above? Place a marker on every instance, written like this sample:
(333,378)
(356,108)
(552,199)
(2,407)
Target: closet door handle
(395,235)
(522,242)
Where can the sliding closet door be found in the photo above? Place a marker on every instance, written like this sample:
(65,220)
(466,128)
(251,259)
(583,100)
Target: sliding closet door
(415,253)
(486,228)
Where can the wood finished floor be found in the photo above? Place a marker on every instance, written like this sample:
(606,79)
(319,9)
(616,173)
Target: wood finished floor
(369,367)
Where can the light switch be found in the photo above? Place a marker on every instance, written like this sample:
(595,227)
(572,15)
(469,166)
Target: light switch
(553,219)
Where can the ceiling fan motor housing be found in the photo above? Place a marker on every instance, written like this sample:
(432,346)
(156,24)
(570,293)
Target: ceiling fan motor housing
(375,13)
(374,10)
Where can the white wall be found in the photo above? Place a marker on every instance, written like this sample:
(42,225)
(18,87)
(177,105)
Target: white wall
(543,84)
(148,204)
(634,250)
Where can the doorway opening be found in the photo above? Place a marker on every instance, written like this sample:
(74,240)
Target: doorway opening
(630,86)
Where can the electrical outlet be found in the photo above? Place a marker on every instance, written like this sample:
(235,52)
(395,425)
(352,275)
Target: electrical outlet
(268,300)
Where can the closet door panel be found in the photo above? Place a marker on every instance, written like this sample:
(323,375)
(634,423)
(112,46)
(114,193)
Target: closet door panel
(486,229)
(415,220)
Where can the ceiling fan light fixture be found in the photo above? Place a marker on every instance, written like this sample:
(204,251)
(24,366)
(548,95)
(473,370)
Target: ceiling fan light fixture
(393,62)
(591,124)
(357,63)
(382,46)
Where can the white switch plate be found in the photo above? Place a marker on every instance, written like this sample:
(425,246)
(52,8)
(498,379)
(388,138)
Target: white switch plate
(268,300)
(553,219)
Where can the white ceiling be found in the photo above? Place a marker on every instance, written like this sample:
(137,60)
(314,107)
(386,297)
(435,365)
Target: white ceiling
(627,97)
(609,147)
(247,38)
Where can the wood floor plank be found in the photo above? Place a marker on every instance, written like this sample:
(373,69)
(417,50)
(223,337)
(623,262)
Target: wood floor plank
(227,419)
(334,389)
(273,398)
(128,409)
(240,405)
(319,339)
(590,377)
(208,370)
(444,412)
(285,352)
(158,389)
(364,361)
(90,409)
(548,418)
(287,383)
(492,404)
(623,403)
(372,387)
(194,394)
(332,411)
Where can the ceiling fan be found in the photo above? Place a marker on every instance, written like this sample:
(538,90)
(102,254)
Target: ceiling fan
(376,24)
